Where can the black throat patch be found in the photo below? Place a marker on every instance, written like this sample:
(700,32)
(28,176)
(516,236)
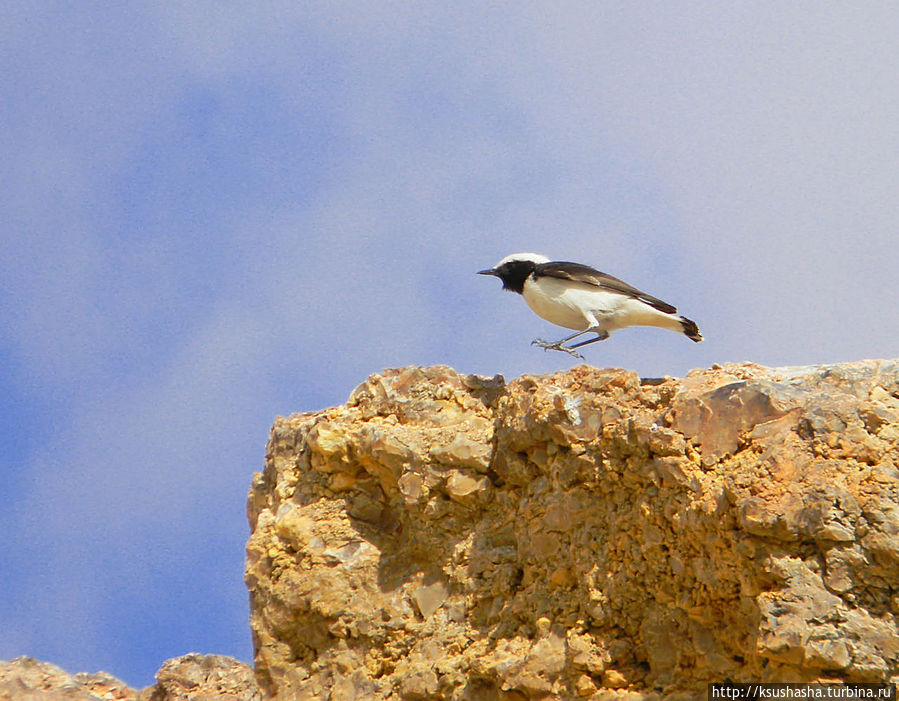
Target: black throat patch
(514,273)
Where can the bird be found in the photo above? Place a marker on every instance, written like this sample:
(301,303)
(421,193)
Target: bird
(576,296)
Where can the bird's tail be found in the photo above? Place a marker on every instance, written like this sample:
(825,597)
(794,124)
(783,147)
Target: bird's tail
(691,330)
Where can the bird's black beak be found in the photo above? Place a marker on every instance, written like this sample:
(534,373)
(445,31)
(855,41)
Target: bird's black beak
(489,271)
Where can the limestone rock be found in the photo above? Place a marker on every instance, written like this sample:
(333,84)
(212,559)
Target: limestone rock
(586,534)
(189,678)
(196,677)
(27,679)
(580,534)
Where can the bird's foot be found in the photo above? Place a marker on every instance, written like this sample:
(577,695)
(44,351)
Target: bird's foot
(557,345)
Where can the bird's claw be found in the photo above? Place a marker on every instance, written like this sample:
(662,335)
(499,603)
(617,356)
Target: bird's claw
(557,345)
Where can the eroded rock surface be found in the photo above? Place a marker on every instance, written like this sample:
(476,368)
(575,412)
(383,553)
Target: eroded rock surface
(28,679)
(196,677)
(580,534)
(187,678)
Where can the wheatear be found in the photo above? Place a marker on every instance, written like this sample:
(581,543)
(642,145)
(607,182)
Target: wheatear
(579,297)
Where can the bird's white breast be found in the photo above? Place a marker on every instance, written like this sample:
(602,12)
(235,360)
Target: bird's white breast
(572,305)
(579,306)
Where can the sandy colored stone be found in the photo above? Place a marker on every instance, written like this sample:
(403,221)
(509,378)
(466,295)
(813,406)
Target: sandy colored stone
(466,488)
(584,686)
(430,597)
(28,679)
(614,679)
(196,677)
(585,534)
(464,451)
(188,678)
(581,534)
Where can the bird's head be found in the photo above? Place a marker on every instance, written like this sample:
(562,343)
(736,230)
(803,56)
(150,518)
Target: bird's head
(513,270)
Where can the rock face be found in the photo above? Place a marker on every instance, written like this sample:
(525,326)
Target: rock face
(188,678)
(199,677)
(27,679)
(580,534)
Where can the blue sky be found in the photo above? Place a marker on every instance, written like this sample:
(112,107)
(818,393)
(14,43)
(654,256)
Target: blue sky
(214,213)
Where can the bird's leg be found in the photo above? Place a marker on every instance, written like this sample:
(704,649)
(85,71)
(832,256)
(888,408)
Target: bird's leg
(546,345)
(557,345)
(600,336)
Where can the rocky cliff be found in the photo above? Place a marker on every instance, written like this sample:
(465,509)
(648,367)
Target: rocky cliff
(581,534)
(587,534)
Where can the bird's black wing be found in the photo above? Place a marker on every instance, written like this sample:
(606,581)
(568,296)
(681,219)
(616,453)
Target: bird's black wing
(590,276)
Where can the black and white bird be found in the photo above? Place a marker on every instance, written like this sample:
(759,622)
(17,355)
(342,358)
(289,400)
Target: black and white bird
(579,297)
